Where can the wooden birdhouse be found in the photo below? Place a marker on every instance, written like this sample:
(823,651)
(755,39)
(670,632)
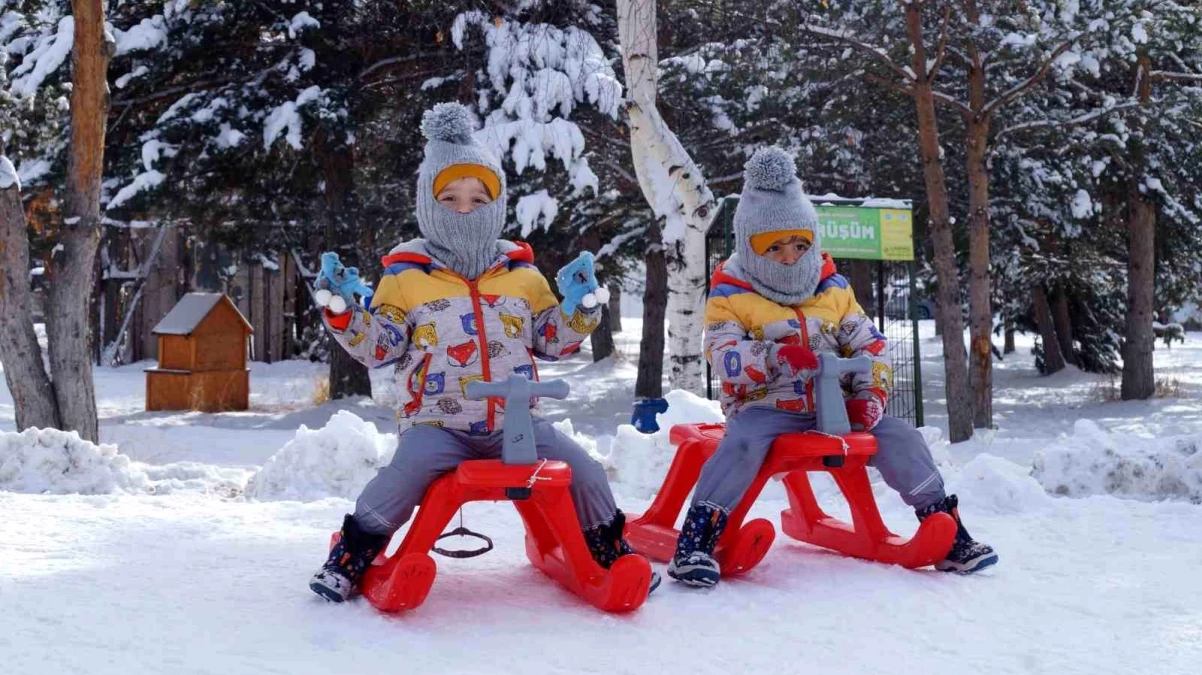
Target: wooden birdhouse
(202,357)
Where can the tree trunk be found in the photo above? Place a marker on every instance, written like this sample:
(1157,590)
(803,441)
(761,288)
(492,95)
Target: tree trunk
(650,382)
(862,273)
(980,310)
(676,191)
(602,338)
(348,377)
(69,273)
(1062,319)
(1053,360)
(615,309)
(955,359)
(1008,329)
(1139,377)
(33,398)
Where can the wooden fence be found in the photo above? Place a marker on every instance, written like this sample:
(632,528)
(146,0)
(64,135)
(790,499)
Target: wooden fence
(145,271)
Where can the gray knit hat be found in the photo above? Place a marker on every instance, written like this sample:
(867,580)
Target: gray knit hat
(466,243)
(772,201)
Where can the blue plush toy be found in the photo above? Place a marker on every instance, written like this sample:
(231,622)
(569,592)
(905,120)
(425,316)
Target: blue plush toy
(578,285)
(337,285)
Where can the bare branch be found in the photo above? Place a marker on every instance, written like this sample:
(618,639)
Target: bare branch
(889,84)
(950,101)
(384,63)
(1176,77)
(941,52)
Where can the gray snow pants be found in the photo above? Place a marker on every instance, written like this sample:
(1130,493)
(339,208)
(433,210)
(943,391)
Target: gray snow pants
(902,457)
(425,452)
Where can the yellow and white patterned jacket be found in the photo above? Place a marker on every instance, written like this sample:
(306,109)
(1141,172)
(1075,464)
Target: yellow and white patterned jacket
(743,328)
(442,331)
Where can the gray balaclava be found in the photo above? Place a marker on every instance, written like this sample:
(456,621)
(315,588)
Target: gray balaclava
(772,201)
(466,243)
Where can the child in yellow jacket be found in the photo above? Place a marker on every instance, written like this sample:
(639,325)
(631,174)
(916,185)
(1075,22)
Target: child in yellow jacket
(456,306)
(771,306)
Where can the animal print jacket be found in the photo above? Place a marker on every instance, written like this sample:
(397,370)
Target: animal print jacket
(441,331)
(742,327)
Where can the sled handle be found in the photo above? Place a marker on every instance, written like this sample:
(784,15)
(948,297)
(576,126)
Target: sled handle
(517,391)
(828,393)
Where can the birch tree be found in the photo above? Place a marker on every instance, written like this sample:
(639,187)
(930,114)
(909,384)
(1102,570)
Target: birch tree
(674,186)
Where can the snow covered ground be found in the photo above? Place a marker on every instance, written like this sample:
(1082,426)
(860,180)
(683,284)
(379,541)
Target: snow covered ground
(179,571)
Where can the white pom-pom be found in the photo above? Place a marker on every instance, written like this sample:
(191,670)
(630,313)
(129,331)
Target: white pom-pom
(337,304)
(769,169)
(602,295)
(449,122)
(322,297)
(589,301)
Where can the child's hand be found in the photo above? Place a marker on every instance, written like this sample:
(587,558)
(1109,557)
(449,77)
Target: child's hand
(336,285)
(864,413)
(578,285)
(796,358)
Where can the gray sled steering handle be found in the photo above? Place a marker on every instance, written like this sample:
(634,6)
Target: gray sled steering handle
(519,446)
(829,405)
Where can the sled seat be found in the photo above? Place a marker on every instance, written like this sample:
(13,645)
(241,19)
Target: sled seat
(554,540)
(742,547)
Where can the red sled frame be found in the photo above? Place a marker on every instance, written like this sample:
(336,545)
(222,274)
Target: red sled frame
(554,540)
(742,547)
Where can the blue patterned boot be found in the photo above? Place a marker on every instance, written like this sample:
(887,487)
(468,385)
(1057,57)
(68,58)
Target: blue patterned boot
(348,561)
(607,543)
(967,555)
(694,563)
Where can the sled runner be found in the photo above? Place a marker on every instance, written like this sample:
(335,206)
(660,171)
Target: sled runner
(834,449)
(539,491)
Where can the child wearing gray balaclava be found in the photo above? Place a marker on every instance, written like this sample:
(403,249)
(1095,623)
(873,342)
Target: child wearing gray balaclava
(456,306)
(771,306)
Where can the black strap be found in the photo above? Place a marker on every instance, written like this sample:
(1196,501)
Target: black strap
(462,531)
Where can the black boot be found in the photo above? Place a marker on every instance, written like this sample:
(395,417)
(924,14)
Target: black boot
(694,562)
(348,561)
(607,543)
(967,556)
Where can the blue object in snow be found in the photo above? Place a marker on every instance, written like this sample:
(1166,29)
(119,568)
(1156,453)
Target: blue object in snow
(645,411)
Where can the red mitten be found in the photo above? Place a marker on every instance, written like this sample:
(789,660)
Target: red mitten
(797,358)
(864,413)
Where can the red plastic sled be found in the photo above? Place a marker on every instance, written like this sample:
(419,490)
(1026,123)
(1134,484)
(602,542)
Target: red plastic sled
(742,547)
(554,541)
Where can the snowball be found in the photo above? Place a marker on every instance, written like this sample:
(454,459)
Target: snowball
(1094,461)
(8,174)
(769,169)
(335,461)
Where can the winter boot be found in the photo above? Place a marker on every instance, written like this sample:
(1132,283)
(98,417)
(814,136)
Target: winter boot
(348,561)
(694,562)
(607,543)
(967,556)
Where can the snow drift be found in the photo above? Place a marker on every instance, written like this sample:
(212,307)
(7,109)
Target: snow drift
(336,460)
(37,461)
(1093,461)
(640,461)
(49,461)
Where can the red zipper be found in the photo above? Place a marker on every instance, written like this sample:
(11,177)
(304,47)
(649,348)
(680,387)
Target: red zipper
(805,341)
(474,287)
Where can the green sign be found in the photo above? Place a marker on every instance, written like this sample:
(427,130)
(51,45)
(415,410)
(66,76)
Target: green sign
(867,233)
